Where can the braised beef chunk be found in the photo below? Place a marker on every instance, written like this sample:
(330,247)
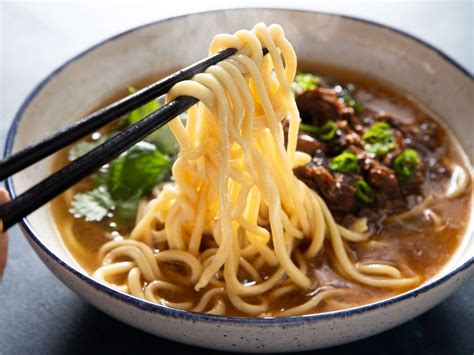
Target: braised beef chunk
(386,186)
(319,105)
(382,161)
(382,178)
(349,136)
(399,147)
(348,115)
(336,189)
(308,144)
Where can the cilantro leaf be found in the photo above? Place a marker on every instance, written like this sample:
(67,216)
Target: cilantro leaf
(126,210)
(121,184)
(85,147)
(92,205)
(162,138)
(137,171)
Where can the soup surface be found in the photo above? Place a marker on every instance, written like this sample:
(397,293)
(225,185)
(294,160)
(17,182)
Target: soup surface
(414,241)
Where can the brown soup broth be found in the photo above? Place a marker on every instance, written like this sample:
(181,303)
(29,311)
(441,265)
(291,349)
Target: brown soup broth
(413,242)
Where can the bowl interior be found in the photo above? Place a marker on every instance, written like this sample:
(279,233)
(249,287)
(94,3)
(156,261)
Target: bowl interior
(84,82)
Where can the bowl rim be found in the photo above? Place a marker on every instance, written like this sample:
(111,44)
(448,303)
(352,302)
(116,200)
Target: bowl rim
(194,316)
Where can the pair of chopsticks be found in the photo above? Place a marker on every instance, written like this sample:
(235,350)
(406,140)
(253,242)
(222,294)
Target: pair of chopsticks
(85,165)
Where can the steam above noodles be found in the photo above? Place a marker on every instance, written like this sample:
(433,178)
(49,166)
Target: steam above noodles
(236,224)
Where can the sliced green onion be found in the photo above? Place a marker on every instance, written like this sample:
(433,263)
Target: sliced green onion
(328,131)
(377,132)
(345,96)
(406,162)
(379,138)
(364,192)
(304,82)
(345,163)
(309,128)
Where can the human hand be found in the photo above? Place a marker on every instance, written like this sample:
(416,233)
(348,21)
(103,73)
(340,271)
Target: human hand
(4,198)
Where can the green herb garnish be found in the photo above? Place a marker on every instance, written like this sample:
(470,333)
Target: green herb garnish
(309,128)
(364,192)
(346,96)
(328,131)
(137,171)
(406,163)
(119,185)
(92,205)
(351,102)
(379,138)
(163,139)
(143,111)
(83,148)
(345,162)
(304,82)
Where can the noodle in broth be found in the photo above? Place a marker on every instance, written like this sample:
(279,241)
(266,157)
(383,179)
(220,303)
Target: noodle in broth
(233,171)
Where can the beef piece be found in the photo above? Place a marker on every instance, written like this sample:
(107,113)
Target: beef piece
(413,186)
(361,154)
(342,198)
(348,114)
(387,117)
(308,144)
(307,174)
(350,136)
(399,147)
(336,145)
(385,185)
(319,105)
(345,137)
(320,158)
(383,178)
(337,190)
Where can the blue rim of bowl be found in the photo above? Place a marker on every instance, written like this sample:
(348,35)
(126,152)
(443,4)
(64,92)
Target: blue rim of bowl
(193,316)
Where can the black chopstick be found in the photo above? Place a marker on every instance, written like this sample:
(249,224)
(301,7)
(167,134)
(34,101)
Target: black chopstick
(98,119)
(72,173)
(78,169)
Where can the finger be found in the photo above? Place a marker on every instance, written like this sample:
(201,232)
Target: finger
(4,198)
(3,253)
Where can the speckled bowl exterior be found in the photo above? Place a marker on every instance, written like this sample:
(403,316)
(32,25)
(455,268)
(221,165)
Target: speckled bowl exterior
(83,82)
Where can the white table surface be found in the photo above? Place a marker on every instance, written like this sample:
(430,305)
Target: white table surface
(35,38)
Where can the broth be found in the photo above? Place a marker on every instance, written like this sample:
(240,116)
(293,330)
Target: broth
(413,242)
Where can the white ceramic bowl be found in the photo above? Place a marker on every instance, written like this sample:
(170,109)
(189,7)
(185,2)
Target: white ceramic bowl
(83,82)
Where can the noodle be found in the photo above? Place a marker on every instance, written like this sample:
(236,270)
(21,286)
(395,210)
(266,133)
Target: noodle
(236,217)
